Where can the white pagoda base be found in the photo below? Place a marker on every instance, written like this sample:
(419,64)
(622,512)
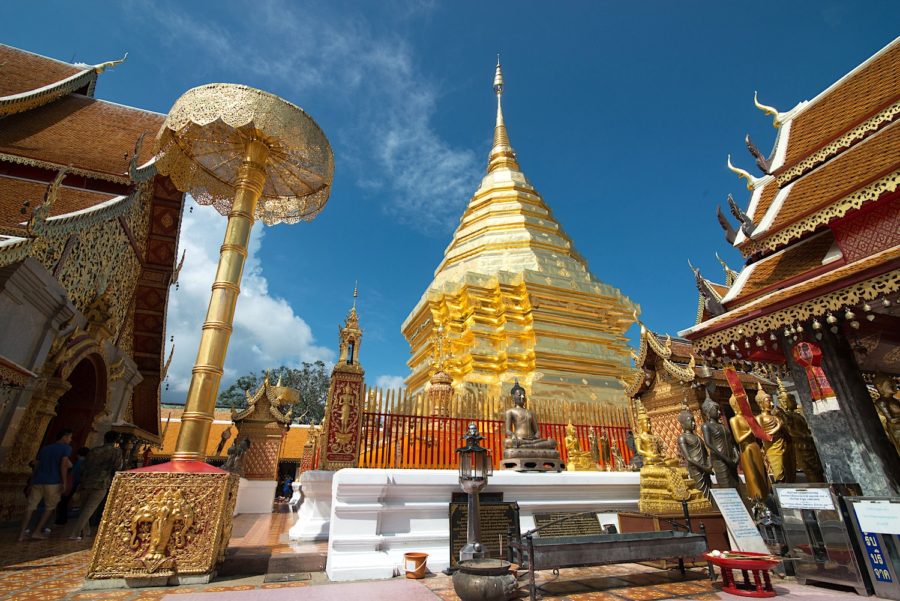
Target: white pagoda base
(378,515)
(255,496)
(314,514)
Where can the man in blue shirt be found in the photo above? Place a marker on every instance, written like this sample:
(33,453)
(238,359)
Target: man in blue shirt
(47,482)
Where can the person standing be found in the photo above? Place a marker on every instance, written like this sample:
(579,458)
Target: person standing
(62,509)
(47,483)
(101,464)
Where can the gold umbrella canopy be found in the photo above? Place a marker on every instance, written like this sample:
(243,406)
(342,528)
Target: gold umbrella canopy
(202,143)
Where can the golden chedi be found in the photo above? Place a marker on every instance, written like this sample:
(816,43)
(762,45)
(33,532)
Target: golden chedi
(664,483)
(516,299)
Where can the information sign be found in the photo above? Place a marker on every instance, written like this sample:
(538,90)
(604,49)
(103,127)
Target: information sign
(805,498)
(496,520)
(878,516)
(739,523)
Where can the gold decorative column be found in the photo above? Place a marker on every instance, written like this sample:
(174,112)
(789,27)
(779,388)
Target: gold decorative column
(251,155)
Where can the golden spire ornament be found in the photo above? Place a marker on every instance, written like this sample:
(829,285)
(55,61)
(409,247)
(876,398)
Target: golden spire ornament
(502,154)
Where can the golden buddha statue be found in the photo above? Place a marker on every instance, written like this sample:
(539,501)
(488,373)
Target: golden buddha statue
(523,448)
(577,460)
(780,450)
(751,456)
(888,404)
(805,455)
(664,483)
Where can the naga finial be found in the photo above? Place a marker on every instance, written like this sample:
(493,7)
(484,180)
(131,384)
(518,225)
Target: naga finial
(41,212)
(743,173)
(730,232)
(768,110)
(101,67)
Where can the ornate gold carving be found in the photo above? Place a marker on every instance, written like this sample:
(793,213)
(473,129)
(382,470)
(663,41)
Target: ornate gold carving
(159,524)
(822,216)
(847,297)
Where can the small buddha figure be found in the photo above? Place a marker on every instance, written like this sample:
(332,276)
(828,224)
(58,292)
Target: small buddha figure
(524,449)
(522,430)
(723,453)
(604,450)
(694,453)
(618,462)
(595,448)
(805,454)
(577,460)
(752,462)
(648,445)
(779,451)
(888,405)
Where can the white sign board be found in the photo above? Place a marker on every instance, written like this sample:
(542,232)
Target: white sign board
(740,526)
(805,498)
(882,517)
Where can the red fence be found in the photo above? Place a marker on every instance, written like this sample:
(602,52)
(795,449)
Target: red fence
(391,440)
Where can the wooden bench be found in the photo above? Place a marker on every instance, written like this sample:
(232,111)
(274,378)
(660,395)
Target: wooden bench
(552,553)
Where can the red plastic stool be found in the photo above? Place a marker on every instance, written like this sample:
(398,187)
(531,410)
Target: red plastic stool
(761,585)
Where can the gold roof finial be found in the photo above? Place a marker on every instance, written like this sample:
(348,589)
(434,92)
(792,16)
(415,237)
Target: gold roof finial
(768,110)
(743,173)
(355,293)
(502,154)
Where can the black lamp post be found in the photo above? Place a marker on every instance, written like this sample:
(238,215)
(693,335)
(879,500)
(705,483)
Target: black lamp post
(474,468)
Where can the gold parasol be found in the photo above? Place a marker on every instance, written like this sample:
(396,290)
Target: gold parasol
(251,155)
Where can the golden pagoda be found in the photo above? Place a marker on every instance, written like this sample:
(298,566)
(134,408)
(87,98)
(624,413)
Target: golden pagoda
(517,301)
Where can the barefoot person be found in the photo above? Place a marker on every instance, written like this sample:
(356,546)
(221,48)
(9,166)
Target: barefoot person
(99,467)
(47,483)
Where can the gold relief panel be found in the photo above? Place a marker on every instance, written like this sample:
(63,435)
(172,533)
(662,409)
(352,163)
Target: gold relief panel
(158,524)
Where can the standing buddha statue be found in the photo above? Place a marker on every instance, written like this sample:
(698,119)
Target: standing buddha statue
(780,450)
(752,462)
(888,405)
(694,453)
(805,455)
(723,453)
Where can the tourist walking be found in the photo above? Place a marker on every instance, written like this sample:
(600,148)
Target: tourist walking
(47,483)
(62,509)
(99,467)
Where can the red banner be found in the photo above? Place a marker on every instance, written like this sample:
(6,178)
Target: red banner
(737,388)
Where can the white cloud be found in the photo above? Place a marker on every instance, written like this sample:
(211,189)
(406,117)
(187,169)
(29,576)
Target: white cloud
(387,138)
(267,333)
(388,382)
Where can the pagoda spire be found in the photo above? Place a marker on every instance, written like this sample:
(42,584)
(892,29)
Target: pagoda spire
(502,154)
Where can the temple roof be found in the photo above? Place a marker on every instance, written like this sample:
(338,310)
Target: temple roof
(14,192)
(79,132)
(22,71)
(828,149)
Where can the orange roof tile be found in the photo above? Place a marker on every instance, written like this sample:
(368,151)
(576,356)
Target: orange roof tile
(22,71)
(88,134)
(841,176)
(852,101)
(13,192)
(766,198)
(782,266)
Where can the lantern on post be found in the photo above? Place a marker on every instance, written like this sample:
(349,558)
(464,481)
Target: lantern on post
(475,466)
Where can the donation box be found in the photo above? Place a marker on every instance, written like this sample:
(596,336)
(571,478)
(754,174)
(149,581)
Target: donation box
(876,525)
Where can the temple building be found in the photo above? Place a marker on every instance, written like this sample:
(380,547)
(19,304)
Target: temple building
(818,294)
(515,300)
(87,255)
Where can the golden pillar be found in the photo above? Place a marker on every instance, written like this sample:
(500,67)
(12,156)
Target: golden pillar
(207,372)
(251,155)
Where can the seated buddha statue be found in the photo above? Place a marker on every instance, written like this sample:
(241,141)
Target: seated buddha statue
(649,446)
(523,448)
(522,429)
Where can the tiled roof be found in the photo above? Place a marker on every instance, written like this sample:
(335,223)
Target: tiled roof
(22,71)
(766,198)
(852,100)
(13,192)
(844,174)
(782,266)
(82,132)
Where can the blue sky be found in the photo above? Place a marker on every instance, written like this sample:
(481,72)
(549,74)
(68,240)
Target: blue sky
(622,114)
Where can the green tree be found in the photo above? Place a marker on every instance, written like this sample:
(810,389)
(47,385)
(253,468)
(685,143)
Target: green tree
(311,379)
